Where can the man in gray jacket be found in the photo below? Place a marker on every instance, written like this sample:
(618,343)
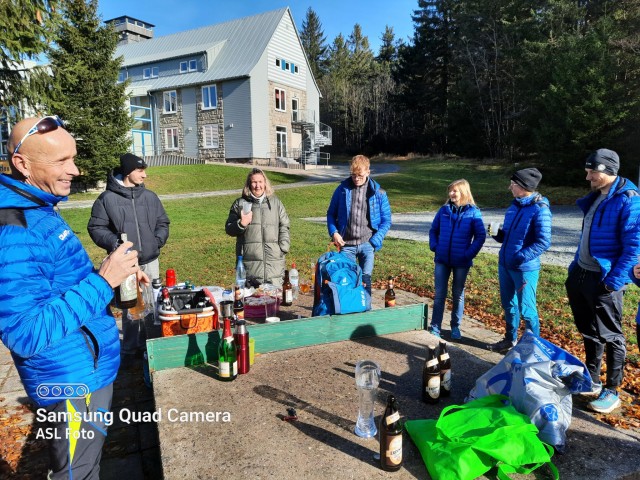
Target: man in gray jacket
(126,206)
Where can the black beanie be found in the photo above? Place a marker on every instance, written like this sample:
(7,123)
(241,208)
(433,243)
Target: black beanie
(604,160)
(129,162)
(527,178)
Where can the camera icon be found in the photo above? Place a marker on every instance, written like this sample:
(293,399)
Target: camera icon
(62,391)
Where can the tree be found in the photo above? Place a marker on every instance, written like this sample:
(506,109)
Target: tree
(85,91)
(313,41)
(27,27)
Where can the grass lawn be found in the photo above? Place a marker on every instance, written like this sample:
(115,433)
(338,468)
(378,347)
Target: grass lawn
(199,250)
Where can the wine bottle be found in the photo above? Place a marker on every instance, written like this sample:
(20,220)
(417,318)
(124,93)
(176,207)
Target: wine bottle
(445,371)
(287,291)
(227,358)
(294,277)
(390,434)
(431,377)
(390,295)
(238,304)
(138,311)
(126,294)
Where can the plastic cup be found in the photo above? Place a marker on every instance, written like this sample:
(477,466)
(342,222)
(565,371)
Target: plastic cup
(246,207)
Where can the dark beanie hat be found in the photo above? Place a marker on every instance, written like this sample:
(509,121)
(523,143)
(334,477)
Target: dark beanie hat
(604,160)
(527,178)
(129,162)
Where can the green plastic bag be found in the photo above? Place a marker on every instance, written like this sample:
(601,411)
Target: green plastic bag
(468,440)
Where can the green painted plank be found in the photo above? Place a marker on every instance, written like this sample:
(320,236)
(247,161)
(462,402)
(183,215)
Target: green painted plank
(194,349)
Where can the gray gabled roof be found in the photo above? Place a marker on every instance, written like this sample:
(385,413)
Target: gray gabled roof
(233,47)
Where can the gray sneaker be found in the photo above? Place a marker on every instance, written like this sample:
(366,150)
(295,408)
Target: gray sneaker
(503,346)
(596,388)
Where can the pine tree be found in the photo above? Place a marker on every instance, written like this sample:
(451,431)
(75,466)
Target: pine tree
(313,41)
(85,91)
(27,27)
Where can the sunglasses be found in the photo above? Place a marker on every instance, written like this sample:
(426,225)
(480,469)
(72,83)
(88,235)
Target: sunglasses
(44,125)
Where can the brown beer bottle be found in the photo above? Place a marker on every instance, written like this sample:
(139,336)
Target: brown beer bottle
(390,434)
(126,294)
(238,304)
(431,377)
(445,370)
(390,295)
(287,291)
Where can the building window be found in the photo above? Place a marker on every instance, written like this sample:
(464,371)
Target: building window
(281,141)
(170,101)
(171,138)
(277,62)
(122,76)
(210,136)
(188,66)
(281,100)
(296,69)
(150,72)
(294,109)
(209,97)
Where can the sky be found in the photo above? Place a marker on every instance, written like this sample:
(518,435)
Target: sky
(336,16)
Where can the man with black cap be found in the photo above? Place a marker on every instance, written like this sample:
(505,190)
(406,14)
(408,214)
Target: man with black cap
(597,276)
(525,235)
(126,206)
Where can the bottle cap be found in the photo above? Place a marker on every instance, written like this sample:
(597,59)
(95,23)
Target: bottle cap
(156,283)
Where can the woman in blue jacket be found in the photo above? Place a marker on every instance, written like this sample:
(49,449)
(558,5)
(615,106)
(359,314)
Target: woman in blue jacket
(456,236)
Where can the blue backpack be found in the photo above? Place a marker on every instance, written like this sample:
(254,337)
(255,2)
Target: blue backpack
(338,286)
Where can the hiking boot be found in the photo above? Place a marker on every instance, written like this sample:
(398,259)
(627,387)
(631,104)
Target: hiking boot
(434,330)
(503,346)
(607,402)
(455,333)
(596,388)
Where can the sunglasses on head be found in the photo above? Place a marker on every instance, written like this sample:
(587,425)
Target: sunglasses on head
(44,125)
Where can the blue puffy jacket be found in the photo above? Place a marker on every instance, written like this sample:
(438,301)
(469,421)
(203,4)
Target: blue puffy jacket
(526,233)
(614,238)
(457,235)
(54,315)
(379,211)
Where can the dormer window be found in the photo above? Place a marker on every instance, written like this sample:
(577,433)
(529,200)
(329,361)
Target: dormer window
(188,66)
(150,72)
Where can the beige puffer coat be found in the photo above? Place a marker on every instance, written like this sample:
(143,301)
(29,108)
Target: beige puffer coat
(265,241)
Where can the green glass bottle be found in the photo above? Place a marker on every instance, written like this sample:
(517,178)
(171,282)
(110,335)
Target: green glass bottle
(227,358)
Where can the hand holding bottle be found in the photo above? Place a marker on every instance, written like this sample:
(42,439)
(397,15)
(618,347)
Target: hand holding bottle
(119,264)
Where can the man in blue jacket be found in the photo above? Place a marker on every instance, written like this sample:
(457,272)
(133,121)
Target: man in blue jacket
(525,235)
(359,217)
(54,315)
(597,276)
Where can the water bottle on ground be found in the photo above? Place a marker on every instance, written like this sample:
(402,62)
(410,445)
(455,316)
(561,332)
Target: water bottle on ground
(241,273)
(294,278)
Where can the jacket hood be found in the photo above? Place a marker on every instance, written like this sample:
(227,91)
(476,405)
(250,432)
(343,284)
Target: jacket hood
(533,198)
(116,186)
(17,194)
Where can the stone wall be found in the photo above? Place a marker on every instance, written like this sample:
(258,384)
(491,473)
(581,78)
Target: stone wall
(212,116)
(169,120)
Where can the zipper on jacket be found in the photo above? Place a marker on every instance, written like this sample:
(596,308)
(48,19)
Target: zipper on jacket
(455,225)
(95,351)
(135,217)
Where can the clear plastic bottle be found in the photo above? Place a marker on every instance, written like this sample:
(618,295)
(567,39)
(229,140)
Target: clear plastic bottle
(294,278)
(241,273)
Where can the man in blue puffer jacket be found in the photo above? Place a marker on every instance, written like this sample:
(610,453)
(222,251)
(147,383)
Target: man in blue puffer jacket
(54,315)
(359,217)
(597,276)
(525,235)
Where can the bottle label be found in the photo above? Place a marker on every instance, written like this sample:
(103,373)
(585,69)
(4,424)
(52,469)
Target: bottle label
(390,303)
(445,380)
(224,369)
(288,296)
(394,417)
(394,450)
(227,369)
(129,288)
(444,356)
(433,387)
(432,363)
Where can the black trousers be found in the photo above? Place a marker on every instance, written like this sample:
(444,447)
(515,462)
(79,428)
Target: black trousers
(598,315)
